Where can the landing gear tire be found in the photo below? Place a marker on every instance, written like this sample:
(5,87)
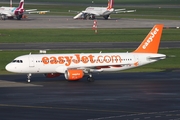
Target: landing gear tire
(106,17)
(84,16)
(29,77)
(19,17)
(3,17)
(91,17)
(90,79)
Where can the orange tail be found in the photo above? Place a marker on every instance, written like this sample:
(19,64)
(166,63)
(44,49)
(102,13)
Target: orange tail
(110,4)
(151,43)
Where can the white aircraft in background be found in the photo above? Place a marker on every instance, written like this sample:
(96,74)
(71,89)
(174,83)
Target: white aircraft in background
(92,12)
(75,66)
(11,12)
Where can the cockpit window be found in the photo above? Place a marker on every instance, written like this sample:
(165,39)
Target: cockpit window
(17,61)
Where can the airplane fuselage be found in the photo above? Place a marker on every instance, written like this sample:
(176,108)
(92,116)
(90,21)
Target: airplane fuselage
(8,10)
(76,65)
(99,11)
(94,11)
(59,63)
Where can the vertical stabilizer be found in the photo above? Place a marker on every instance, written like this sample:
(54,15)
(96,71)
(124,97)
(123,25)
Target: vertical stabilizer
(151,43)
(110,4)
(21,4)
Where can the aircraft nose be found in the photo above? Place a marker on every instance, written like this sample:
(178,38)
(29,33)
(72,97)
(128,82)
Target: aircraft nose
(9,67)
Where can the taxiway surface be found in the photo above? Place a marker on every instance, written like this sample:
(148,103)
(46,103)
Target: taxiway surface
(113,96)
(81,45)
(45,21)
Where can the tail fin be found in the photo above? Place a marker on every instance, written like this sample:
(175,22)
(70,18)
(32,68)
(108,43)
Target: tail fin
(21,4)
(110,4)
(151,43)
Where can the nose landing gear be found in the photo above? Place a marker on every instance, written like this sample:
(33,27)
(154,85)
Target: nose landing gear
(29,77)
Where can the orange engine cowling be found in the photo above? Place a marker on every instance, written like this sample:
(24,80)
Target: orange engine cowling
(74,74)
(51,75)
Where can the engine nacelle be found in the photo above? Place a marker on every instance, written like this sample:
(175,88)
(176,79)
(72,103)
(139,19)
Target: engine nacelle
(52,75)
(74,74)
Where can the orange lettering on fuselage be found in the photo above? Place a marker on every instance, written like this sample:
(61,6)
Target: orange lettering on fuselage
(78,58)
(53,60)
(45,60)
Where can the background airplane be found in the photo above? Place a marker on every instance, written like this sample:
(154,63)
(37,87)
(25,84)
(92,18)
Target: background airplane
(76,66)
(11,12)
(92,12)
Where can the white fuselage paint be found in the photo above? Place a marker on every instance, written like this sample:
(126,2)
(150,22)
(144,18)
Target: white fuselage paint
(34,64)
(97,11)
(8,11)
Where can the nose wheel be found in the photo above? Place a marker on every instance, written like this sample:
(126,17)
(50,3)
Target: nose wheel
(29,77)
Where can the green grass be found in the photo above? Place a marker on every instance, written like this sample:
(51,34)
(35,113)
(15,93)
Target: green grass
(169,63)
(81,35)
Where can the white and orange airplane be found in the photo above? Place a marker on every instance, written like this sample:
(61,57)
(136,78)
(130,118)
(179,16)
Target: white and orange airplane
(11,12)
(92,12)
(75,66)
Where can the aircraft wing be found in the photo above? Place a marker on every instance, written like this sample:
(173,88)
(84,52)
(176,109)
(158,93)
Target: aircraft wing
(73,11)
(35,11)
(123,11)
(93,68)
(30,10)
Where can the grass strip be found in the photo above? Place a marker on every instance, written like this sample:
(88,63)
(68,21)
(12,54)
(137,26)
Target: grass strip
(81,35)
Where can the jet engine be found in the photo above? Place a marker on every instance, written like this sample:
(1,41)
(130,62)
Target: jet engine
(74,74)
(52,75)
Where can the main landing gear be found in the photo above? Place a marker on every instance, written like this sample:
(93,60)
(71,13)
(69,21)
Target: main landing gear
(29,77)
(90,78)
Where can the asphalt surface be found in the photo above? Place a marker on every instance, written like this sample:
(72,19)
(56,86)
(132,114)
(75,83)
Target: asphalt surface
(47,21)
(113,96)
(81,45)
